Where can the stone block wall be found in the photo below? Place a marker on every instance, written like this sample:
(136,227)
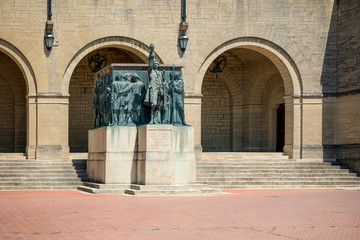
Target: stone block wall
(348,108)
(296,31)
(348,46)
(7,126)
(216,115)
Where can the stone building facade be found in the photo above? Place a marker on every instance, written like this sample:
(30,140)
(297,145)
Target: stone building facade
(290,60)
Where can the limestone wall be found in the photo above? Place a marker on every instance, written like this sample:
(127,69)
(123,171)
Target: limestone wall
(348,119)
(7,126)
(293,35)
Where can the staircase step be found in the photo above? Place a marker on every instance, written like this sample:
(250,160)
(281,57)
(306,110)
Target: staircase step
(40,187)
(275,175)
(100,191)
(271,170)
(31,174)
(279,178)
(189,189)
(315,186)
(214,156)
(12,156)
(275,182)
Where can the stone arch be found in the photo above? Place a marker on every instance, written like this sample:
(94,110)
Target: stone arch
(280,58)
(24,93)
(289,74)
(128,44)
(23,64)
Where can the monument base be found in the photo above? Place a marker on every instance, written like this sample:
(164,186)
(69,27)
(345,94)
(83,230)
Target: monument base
(166,155)
(112,155)
(145,160)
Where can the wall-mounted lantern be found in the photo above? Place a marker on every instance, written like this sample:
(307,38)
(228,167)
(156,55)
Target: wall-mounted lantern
(49,38)
(183,39)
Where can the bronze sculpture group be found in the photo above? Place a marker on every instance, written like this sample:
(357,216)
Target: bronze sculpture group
(126,101)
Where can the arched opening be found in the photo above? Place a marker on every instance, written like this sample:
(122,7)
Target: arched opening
(81,94)
(239,104)
(12,106)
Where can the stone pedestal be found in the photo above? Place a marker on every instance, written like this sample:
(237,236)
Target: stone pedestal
(112,155)
(165,155)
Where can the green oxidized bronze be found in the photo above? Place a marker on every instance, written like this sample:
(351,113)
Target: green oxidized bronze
(137,94)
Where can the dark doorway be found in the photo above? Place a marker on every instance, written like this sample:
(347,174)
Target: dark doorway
(280,128)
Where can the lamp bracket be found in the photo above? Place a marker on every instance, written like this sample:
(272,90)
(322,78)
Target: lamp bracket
(184,26)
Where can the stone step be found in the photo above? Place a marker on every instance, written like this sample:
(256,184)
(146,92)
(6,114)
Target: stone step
(337,186)
(12,156)
(53,183)
(48,178)
(272,167)
(208,156)
(270,170)
(107,186)
(168,187)
(41,174)
(265,164)
(275,182)
(100,191)
(42,171)
(42,164)
(40,187)
(83,155)
(270,174)
(210,180)
(42,168)
(190,189)
(167,192)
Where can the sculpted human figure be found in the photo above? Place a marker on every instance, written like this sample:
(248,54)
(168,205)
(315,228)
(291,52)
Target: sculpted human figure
(151,56)
(124,98)
(96,104)
(102,99)
(108,100)
(136,92)
(155,93)
(168,101)
(115,98)
(178,95)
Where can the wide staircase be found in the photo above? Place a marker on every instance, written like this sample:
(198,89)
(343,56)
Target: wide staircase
(271,170)
(19,173)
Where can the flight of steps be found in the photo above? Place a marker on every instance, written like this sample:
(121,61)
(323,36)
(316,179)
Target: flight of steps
(271,170)
(19,173)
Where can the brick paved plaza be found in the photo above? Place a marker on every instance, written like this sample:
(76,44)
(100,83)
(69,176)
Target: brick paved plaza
(237,214)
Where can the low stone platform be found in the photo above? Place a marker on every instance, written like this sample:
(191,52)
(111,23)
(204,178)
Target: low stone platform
(99,188)
(148,190)
(156,190)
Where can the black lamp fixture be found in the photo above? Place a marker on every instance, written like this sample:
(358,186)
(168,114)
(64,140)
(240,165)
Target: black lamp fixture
(49,38)
(183,39)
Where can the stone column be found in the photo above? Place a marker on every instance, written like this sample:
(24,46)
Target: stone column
(293,127)
(52,126)
(193,118)
(31,126)
(312,121)
(19,124)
